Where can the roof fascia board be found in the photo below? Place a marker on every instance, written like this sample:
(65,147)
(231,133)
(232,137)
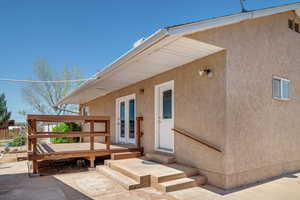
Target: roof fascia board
(227,20)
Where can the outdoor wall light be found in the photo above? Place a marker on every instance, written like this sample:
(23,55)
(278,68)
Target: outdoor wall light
(207,72)
(142,91)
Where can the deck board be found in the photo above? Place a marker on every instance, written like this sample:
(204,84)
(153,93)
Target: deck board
(80,147)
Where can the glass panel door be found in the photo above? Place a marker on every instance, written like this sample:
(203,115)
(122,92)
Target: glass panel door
(167,104)
(131,119)
(126,119)
(122,124)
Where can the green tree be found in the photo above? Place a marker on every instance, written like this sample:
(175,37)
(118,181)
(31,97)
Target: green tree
(41,97)
(4,114)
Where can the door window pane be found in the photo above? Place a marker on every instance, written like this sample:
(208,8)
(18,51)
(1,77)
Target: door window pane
(122,119)
(167,104)
(131,118)
(285,89)
(276,88)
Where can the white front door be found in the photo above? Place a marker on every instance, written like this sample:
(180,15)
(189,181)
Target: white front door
(125,120)
(164,117)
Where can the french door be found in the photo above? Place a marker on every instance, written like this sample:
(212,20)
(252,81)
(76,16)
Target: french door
(125,119)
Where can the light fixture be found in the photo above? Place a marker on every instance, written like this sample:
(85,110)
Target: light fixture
(141,91)
(207,72)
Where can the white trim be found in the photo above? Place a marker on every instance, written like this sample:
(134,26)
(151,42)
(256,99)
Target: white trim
(230,19)
(125,99)
(156,107)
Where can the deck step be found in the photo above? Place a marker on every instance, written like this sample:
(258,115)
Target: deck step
(179,184)
(161,158)
(125,155)
(123,180)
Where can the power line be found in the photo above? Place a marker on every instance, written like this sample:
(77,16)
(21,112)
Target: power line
(41,81)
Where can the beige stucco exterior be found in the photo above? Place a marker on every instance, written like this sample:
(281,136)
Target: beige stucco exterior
(262,133)
(234,109)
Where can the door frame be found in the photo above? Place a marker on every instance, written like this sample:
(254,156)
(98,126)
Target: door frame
(117,112)
(156,113)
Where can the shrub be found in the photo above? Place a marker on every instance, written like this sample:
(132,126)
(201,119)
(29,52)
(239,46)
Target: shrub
(18,141)
(65,127)
(7,149)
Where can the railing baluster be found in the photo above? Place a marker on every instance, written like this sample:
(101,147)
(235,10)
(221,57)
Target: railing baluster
(92,137)
(107,138)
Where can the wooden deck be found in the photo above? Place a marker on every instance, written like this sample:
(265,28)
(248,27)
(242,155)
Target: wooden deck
(79,147)
(38,152)
(77,150)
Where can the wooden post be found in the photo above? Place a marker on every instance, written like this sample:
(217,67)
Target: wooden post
(92,137)
(107,138)
(29,128)
(138,131)
(34,141)
(92,161)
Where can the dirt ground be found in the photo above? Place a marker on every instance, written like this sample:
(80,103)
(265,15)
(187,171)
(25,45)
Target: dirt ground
(16,185)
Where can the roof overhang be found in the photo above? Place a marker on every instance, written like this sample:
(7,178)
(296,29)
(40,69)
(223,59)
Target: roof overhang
(164,50)
(162,56)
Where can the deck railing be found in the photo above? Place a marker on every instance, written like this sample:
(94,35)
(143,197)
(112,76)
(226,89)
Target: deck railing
(33,135)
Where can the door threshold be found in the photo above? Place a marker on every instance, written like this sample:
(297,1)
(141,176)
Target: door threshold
(169,151)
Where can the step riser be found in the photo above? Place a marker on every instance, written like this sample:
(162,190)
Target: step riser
(145,180)
(160,158)
(125,172)
(162,179)
(120,156)
(175,187)
(126,186)
(201,180)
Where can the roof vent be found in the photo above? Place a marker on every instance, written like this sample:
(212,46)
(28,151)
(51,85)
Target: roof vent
(137,43)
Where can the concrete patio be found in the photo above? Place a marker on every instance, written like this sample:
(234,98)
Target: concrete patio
(15,184)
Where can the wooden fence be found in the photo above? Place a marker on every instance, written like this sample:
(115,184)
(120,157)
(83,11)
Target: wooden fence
(7,134)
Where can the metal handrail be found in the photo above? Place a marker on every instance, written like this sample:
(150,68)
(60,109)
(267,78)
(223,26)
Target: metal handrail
(196,139)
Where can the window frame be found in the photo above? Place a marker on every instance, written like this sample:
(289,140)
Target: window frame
(281,88)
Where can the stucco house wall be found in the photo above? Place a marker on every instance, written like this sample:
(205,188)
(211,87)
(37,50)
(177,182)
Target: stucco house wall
(199,108)
(262,133)
(234,110)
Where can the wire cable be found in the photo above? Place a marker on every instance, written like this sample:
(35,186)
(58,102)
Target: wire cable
(41,81)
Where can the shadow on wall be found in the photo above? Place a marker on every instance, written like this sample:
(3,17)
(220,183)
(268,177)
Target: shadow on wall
(21,187)
(225,192)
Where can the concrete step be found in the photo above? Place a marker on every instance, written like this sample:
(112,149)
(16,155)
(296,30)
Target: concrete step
(121,167)
(123,180)
(174,185)
(179,184)
(200,179)
(161,158)
(188,171)
(125,155)
(181,171)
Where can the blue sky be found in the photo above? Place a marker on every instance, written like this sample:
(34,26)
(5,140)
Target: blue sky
(89,34)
